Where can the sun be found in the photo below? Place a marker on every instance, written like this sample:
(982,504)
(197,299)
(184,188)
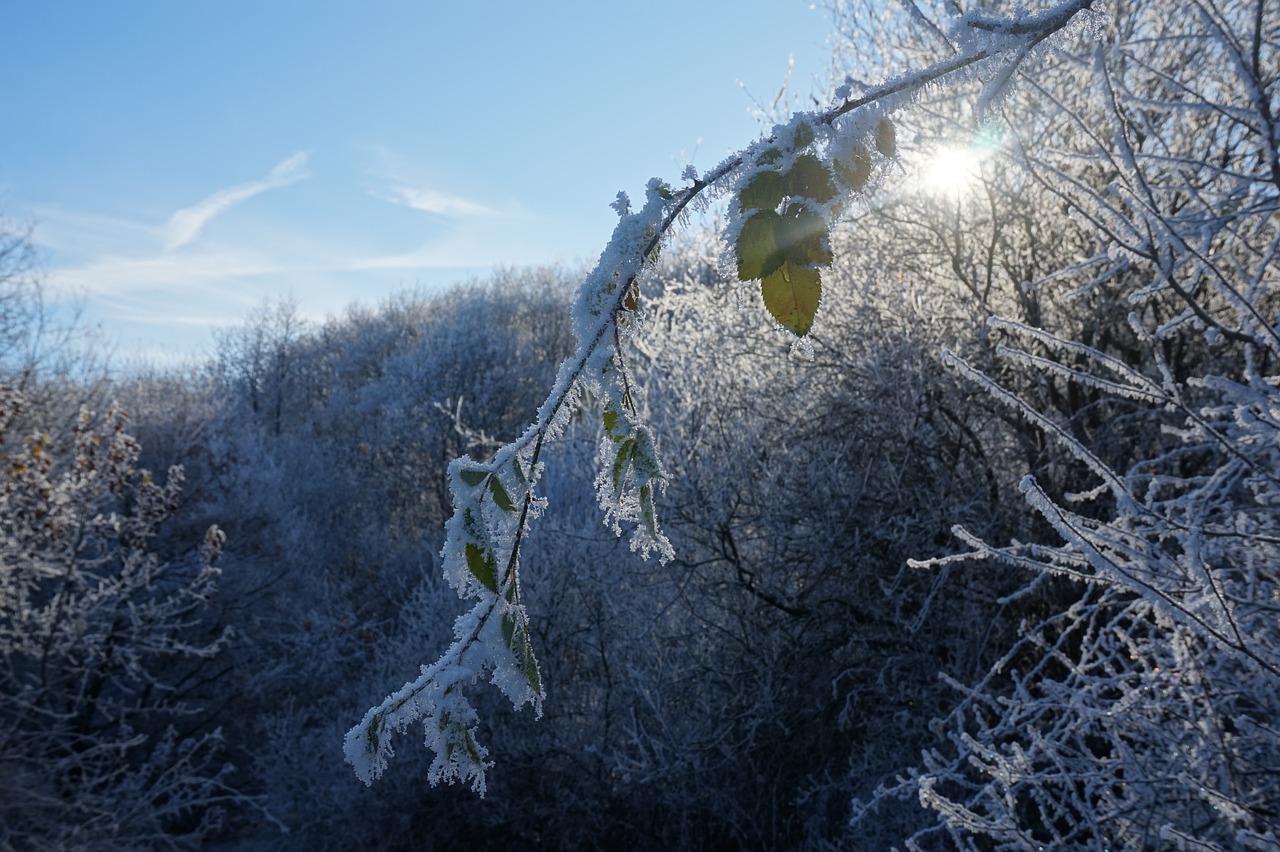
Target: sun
(952,172)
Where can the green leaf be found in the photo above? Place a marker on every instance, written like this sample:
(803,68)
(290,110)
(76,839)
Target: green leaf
(612,417)
(515,632)
(373,734)
(625,452)
(643,459)
(769,155)
(647,512)
(473,750)
(500,495)
(886,138)
(473,476)
(470,523)
(791,294)
(802,237)
(804,135)
(762,192)
(856,169)
(480,563)
(808,178)
(529,666)
(757,247)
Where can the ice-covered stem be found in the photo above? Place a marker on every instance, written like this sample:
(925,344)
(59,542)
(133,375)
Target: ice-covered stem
(494,500)
(492,505)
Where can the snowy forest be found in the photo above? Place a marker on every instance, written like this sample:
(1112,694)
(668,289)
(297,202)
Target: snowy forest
(856,513)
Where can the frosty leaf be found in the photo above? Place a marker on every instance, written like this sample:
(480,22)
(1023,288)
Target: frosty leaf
(500,496)
(808,178)
(529,664)
(886,138)
(457,735)
(791,294)
(471,525)
(471,747)
(508,629)
(647,511)
(801,237)
(614,423)
(856,169)
(757,246)
(373,733)
(611,421)
(769,155)
(610,418)
(762,192)
(644,459)
(625,452)
(473,476)
(768,241)
(482,567)
(804,136)
(515,632)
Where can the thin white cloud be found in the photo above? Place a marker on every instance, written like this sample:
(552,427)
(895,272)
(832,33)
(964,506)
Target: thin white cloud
(136,284)
(83,233)
(184,225)
(466,246)
(115,275)
(430,201)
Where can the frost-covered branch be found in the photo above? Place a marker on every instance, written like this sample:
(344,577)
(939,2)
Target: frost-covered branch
(787,189)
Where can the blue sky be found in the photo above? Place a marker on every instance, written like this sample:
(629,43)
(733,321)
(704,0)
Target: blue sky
(183,160)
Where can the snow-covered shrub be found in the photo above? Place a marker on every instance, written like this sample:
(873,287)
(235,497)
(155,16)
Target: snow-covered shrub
(1140,706)
(107,653)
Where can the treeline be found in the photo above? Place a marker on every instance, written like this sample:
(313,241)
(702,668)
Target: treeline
(183,652)
(716,700)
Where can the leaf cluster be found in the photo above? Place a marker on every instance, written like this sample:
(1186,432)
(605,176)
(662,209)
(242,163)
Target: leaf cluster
(787,205)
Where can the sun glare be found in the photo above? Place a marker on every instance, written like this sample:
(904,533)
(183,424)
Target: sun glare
(952,172)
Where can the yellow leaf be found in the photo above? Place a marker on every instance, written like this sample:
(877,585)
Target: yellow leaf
(791,294)
(757,246)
